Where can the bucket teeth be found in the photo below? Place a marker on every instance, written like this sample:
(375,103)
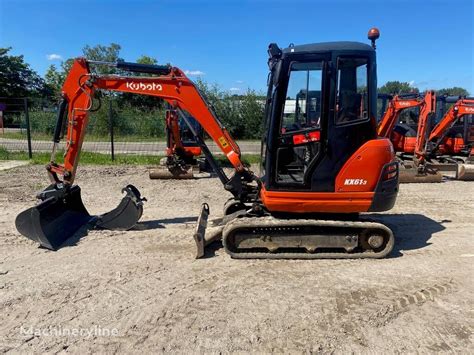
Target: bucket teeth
(61,214)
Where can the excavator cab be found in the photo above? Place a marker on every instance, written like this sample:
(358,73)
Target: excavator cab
(321,109)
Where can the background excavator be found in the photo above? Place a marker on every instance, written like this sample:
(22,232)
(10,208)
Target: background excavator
(316,175)
(451,140)
(183,153)
(424,144)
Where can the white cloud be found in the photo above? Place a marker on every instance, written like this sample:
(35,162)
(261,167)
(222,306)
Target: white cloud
(411,83)
(239,81)
(234,89)
(194,72)
(54,56)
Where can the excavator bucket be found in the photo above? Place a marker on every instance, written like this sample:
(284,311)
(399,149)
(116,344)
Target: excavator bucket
(61,214)
(55,219)
(412,176)
(465,172)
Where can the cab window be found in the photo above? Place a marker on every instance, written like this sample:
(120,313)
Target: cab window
(351,96)
(302,108)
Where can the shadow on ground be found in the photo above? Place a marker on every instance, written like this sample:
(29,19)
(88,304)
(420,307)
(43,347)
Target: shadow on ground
(412,231)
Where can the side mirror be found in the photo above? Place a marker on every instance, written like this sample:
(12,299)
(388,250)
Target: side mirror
(273,51)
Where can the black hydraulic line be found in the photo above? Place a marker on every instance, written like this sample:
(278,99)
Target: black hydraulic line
(144,68)
(409,96)
(59,121)
(28,127)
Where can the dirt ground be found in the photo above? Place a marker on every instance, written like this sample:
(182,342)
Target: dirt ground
(142,291)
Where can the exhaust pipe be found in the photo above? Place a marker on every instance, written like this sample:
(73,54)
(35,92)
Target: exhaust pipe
(61,214)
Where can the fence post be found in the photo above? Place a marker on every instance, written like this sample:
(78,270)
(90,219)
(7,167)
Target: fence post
(111,129)
(28,128)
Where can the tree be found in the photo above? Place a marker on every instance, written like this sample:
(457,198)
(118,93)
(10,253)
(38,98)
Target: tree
(17,79)
(397,87)
(144,59)
(102,53)
(54,81)
(454,91)
(252,112)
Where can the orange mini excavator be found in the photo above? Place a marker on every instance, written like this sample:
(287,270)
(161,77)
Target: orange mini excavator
(182,150)
(451,141)
(316,175)
(403,135)
(423,150)
(406,136)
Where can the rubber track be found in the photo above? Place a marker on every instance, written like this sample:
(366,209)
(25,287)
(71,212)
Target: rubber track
(274,222)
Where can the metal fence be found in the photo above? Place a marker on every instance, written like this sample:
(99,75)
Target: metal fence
(26,125)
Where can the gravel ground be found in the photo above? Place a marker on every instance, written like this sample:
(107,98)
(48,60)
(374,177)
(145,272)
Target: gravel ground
(142,291)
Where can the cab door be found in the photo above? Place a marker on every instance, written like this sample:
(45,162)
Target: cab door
(349,125)
(298,145)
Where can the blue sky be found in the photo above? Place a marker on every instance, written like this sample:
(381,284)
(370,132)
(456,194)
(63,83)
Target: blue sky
(429,43)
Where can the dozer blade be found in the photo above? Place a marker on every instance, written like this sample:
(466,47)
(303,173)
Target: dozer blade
(55,219)
(165,173)
(126,214)
(200,233)
(61,214)
(465,172)
(412,176)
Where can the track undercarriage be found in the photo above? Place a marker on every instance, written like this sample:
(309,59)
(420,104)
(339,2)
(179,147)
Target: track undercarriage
(245,235)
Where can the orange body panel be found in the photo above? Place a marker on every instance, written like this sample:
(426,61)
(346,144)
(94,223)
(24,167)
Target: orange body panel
(403,143)
(354,185)
(323,202)
(361,172)
(194,151)
(409,144)
(451,146)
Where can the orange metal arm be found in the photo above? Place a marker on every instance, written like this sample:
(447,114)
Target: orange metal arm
(390,117)
(426,112)
(175,88)
(460,108)
(173,127)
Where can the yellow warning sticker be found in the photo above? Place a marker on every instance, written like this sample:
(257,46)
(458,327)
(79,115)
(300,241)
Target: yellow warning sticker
(223,142)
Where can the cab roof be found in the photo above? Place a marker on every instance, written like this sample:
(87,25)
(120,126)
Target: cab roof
(325,47)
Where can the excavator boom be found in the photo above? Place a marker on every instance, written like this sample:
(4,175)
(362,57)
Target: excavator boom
(61,212)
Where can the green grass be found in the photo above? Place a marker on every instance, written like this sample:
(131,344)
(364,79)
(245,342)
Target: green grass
(89,138)
(88,158)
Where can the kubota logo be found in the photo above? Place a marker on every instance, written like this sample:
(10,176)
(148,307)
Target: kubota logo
(144,86)
(469,109)
(401,103)
(355,182)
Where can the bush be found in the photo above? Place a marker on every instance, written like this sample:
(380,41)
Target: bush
(42,122)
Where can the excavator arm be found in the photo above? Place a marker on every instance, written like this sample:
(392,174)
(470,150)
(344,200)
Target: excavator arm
(169,84)
(396,105)
(460,108)
(426,112)
(61,212)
